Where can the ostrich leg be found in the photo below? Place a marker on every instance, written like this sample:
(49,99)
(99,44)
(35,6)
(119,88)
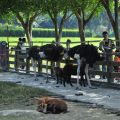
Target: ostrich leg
(77,56)
(34,64)
(47,71)
(53,68)
(88,80)
(79,62)
(78,73)
(86,73)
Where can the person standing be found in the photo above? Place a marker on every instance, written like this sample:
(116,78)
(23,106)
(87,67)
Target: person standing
(106,46)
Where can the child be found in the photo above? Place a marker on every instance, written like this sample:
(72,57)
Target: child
(117,59)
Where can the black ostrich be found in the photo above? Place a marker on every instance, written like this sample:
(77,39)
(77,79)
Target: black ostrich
(84,53)
(50,52)
(33,54)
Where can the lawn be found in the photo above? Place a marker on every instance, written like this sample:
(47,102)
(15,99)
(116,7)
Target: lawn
(41,41)
(19,102)
(63,39)
(11,93)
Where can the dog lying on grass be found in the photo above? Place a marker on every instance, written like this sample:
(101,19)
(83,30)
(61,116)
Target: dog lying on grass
(51,105)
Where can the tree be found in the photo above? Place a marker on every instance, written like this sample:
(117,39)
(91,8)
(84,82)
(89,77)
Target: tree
(111,7)
(27,14)
(84,11)
(25,11)
(4,7)
(56,8)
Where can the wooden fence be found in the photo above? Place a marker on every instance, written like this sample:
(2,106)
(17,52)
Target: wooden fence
(14,65)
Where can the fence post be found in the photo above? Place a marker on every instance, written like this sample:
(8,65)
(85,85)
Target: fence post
(7,54)
(109,67)
(16,60)
(39,66)
(27,65)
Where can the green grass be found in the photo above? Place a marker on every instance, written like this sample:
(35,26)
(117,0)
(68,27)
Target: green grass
(63,39)
(11,93)
(40,40)
(19,97)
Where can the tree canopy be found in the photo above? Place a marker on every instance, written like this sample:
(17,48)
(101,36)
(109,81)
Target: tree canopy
(26,11)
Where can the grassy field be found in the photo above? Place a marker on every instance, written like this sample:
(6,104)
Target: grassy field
(94,41)
(73,39)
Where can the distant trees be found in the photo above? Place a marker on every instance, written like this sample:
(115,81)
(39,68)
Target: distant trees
(98,24)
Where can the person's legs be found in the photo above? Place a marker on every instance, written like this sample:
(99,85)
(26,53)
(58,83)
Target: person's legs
(103,70)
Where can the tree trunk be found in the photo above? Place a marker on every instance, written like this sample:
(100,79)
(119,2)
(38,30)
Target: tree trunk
(64,18)
(56,32)
(28,32)
(113,19)
(27,26)
(119,22)
(81,27)
(116,29)
(60,30)
(81,31)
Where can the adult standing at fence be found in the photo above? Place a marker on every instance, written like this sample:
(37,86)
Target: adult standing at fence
(106,46)
(21,50)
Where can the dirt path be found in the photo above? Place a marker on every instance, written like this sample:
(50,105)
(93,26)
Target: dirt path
(77,111)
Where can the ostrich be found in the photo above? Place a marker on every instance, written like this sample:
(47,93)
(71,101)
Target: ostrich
(49,52)
(84,53)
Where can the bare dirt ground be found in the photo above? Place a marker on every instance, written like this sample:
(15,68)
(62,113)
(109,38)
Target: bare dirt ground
(25,110)
(76,111)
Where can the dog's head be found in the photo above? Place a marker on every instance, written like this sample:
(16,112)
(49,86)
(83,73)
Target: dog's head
(41,102)
(41,107)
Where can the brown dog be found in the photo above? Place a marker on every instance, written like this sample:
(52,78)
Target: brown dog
(51,105)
